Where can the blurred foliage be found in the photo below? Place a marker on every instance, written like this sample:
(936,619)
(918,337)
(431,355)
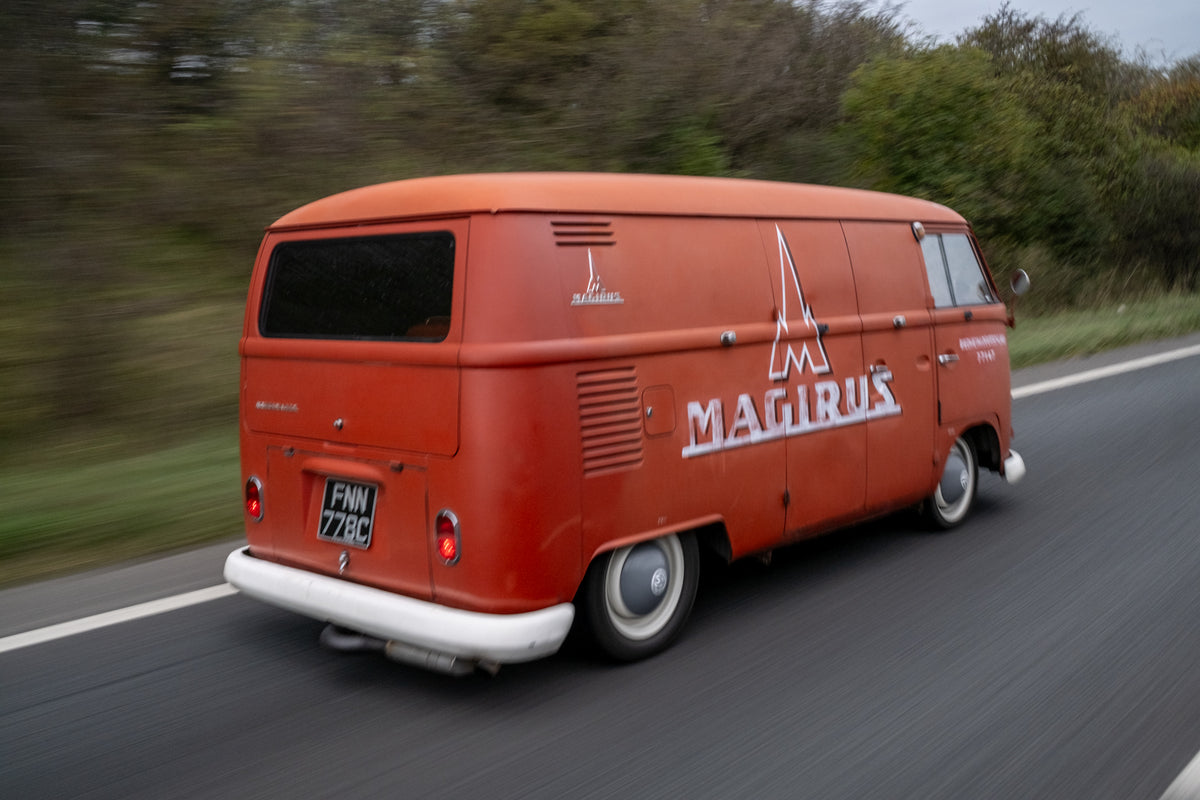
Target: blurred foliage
(1170,111)
(938,124)
(143,146)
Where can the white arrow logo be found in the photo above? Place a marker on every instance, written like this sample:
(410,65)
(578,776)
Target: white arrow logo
(781,371)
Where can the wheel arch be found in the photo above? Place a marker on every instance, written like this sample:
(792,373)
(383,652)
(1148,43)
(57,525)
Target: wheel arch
(710,533)
(986,441)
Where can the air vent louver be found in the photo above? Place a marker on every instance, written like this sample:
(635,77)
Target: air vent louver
(610,420)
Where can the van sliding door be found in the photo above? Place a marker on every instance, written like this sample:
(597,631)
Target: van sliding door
(816,372)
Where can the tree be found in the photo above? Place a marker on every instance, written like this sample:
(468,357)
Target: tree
(1063,50)
(938,124)
(1160,215)
(1169,110)
(1069,81)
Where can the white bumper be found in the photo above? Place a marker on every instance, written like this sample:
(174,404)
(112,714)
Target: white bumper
(467,635)
(1014,467)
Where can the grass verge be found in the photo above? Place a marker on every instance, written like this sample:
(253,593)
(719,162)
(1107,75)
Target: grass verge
(62,516)
(1036,340)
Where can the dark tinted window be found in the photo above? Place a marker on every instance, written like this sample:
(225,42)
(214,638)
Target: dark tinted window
(377,287)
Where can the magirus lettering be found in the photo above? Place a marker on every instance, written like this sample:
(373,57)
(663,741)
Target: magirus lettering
(782,412)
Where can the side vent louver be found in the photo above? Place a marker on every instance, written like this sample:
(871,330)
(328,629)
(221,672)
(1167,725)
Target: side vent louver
(580,233)
(610,420)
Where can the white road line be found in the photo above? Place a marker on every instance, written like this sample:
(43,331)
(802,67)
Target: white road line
(148,609)
(1105,372)
(1187,785)
(49,634)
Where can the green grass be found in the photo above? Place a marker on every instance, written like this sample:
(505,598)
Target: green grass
(74,500)
(64,515)
(1064,334)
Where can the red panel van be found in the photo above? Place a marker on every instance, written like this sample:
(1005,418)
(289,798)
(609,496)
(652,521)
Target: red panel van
(471,405)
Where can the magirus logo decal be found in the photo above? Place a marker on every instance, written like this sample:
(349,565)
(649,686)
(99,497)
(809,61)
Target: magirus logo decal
(783,361)
(792,409)
(595,294)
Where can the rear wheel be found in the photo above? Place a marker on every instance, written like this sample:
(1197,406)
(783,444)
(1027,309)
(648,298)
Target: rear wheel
(951,501)
(637,598)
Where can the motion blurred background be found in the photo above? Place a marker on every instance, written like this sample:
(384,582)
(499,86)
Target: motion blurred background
(144,146)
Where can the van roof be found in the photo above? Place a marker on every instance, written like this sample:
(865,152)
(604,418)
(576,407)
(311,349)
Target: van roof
(607,194)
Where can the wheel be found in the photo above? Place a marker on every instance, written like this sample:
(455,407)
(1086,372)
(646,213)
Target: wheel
(951,501)
(638,598)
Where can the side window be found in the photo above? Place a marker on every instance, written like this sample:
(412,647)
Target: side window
(935,268)
(955,275)
(967,282)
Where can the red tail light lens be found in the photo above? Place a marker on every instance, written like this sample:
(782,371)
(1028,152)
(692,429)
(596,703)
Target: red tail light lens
(254,503)
(448,538)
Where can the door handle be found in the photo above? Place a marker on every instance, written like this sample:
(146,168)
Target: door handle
(947,358)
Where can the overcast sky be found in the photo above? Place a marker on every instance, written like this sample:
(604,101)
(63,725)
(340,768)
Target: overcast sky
(1164,28)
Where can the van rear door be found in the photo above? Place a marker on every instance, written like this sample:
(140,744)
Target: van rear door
(350,385)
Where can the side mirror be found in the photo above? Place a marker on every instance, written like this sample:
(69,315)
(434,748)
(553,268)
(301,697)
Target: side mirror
(1019,283)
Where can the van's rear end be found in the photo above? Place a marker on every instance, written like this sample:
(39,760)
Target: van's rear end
(350,395)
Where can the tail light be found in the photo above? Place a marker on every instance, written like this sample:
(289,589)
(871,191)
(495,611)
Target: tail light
(254,503)
(447,537)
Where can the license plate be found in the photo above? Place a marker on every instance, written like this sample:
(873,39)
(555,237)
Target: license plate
(347,513)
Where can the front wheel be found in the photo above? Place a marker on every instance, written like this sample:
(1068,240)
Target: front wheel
(637,598)
(951,501)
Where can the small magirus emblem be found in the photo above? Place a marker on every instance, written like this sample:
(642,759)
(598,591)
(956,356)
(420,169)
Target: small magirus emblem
(595,294)
(268,405)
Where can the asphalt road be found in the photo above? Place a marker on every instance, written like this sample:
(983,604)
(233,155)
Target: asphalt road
(1048,649)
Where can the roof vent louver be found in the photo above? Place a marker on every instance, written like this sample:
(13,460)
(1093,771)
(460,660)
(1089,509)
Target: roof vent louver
(583,233)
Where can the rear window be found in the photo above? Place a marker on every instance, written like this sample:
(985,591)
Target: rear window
(395,287)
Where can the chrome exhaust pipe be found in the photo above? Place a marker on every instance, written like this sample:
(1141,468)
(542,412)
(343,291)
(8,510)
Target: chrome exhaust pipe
(345,640)
(444,663)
